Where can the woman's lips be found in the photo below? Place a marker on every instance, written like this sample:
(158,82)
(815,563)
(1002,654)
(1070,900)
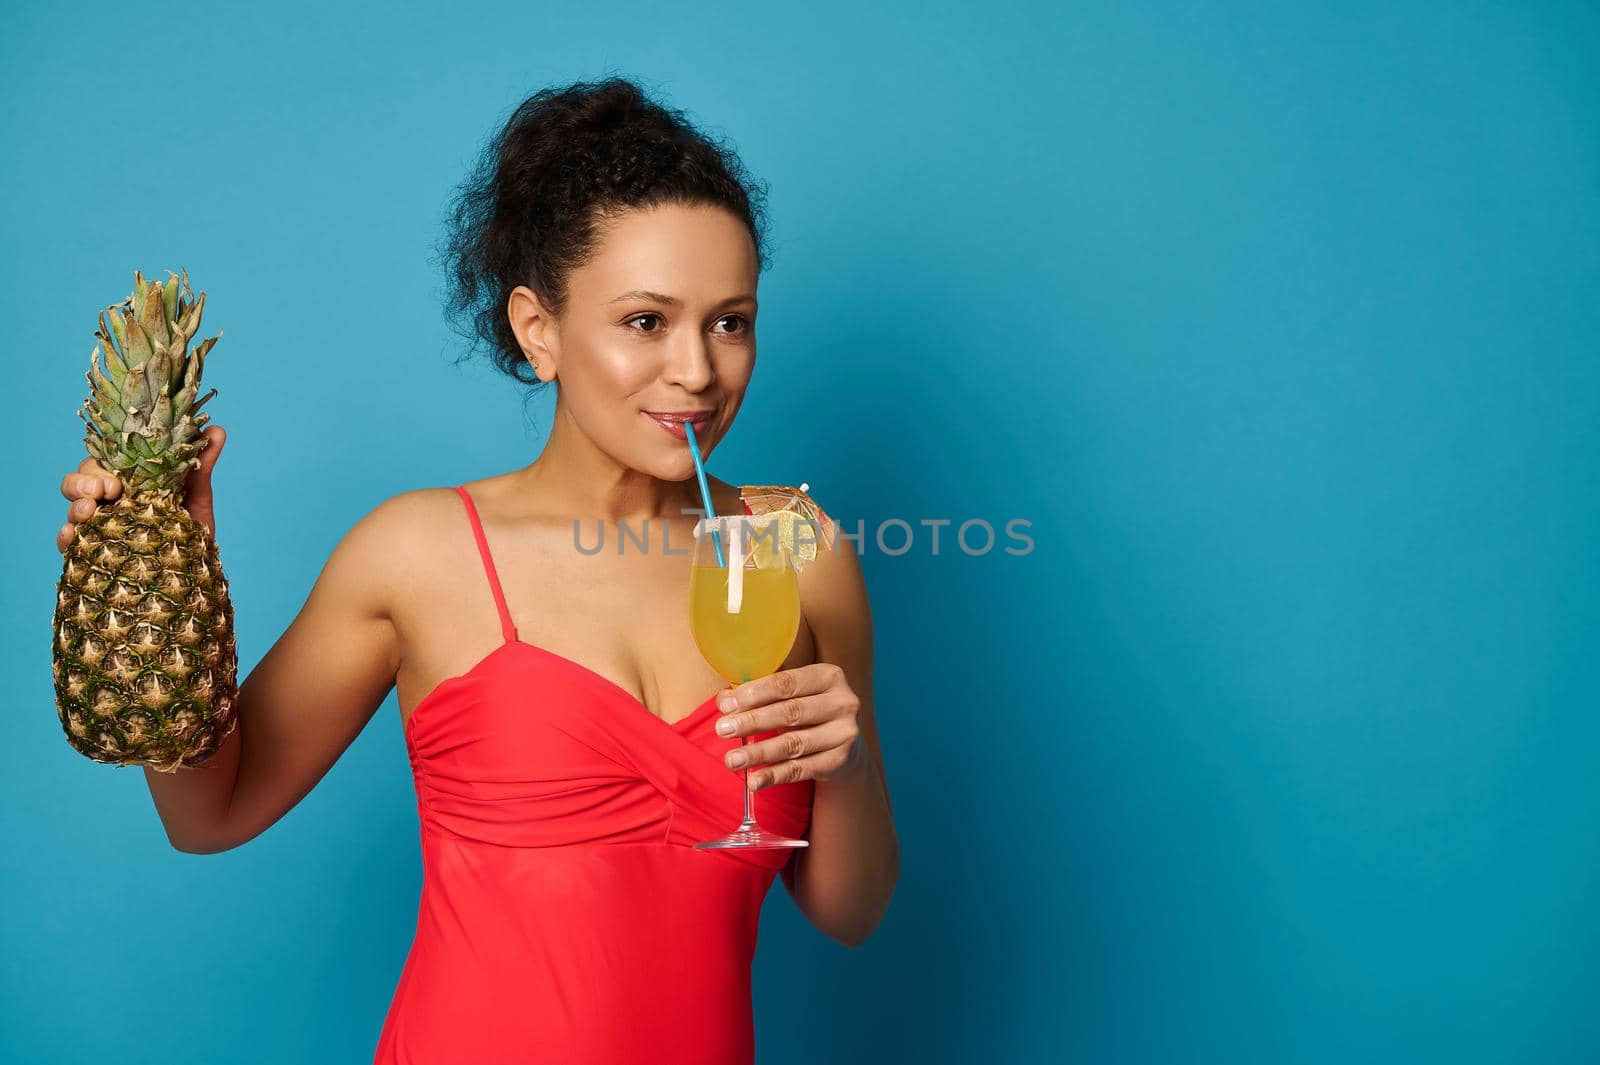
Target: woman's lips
(673,423)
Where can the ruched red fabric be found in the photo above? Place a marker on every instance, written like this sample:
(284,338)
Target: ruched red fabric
(565,916)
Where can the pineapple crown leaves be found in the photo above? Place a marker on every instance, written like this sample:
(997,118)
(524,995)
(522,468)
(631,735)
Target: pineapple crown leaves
(143,418)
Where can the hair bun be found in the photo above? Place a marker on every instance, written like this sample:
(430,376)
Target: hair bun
(614,107)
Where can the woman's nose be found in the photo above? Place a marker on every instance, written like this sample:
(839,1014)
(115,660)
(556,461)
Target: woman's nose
(690,365)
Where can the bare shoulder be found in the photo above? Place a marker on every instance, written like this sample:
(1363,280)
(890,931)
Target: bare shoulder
(413,514)
(407,519)
(392,540)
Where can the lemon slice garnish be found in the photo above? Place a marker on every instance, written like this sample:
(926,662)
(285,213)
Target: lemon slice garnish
(777,532)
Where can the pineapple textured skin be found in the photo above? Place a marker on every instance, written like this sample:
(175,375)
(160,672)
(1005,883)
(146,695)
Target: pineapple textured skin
(145,660)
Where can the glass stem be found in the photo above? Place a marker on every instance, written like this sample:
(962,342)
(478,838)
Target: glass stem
(749,821)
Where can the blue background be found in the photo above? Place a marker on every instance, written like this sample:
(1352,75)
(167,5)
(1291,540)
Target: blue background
(1278,322)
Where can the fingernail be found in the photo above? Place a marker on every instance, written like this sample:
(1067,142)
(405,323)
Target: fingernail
(725,727)
(726,702)
(737,759)
(108,483)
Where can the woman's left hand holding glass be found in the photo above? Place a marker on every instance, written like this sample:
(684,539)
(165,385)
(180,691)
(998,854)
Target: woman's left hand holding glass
(816,708)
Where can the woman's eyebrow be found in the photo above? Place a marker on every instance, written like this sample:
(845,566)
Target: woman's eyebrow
(642,294)
(673,301)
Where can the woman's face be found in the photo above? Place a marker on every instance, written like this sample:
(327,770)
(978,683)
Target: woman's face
(661,320)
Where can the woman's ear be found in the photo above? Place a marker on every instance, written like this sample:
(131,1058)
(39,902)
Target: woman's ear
(534,326)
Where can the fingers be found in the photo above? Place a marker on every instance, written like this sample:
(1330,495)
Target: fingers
(795,745)
(812,709)
(786,684)
(197,493)
(77,511)
(788,699)
(216,436)
(85,488)
(825,750)
(91,481)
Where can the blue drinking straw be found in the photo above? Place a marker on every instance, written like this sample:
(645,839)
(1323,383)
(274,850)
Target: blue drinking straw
(705,491)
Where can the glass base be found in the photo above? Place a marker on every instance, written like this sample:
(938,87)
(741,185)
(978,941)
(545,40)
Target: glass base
(751,836)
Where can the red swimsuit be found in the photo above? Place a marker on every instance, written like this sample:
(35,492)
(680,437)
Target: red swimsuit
(565,916)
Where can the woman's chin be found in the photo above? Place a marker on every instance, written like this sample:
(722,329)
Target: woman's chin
(666,467)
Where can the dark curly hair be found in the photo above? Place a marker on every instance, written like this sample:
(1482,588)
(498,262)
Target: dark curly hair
(529,212)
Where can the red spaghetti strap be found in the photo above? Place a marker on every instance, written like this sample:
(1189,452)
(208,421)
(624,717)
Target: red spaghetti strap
(507,629)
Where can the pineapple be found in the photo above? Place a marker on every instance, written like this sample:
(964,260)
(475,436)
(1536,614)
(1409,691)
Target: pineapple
(143,648)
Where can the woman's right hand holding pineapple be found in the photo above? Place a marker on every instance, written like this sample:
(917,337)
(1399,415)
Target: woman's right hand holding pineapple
(92,482)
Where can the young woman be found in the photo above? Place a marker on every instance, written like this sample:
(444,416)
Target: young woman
(562,726)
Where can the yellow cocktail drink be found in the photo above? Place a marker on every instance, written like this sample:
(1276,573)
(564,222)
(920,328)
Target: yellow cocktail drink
(755,641)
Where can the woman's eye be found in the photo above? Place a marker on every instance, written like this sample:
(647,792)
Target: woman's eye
(741,324)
